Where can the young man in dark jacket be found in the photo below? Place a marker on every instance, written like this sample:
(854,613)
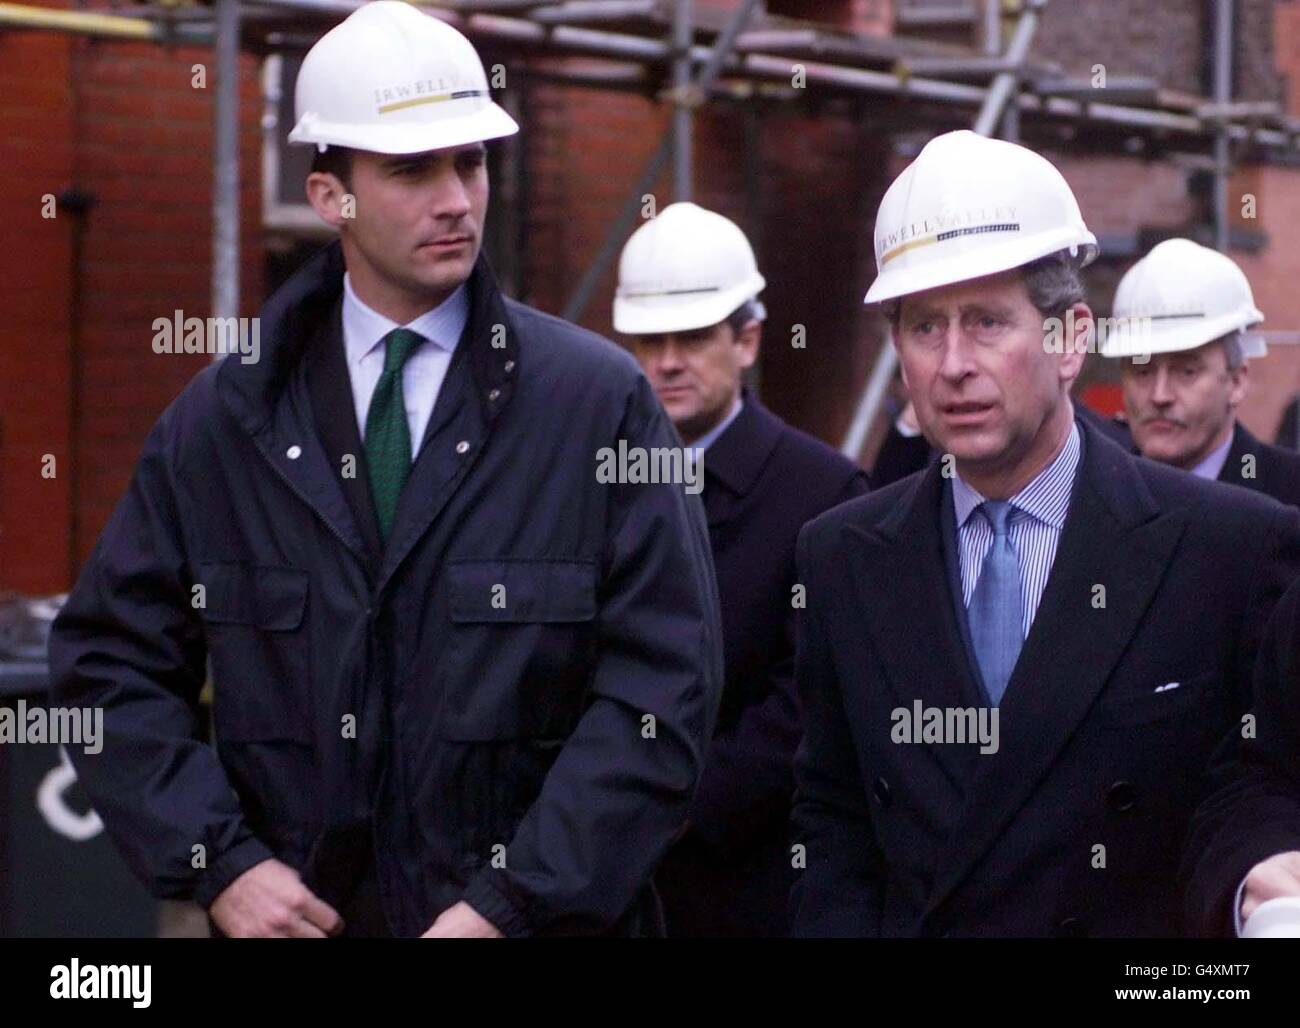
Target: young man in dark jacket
(463,683)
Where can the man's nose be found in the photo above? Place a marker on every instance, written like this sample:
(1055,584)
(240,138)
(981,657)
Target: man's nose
(670,356)
(1161,391)
(956,362)
(450,198)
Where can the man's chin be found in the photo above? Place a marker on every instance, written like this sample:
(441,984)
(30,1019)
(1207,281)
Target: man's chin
(1155,447)
(973,447)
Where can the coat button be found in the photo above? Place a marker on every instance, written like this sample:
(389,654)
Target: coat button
(1122,796)
(494,394)
(293,452)
(509,366)
(880,789)
(1072,928)
(462,446)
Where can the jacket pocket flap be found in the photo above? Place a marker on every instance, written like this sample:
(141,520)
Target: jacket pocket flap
(1142,707)
(266,596)
(521,590)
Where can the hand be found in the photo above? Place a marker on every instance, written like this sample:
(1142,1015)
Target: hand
(461,922)
(269,901)
(1270,879)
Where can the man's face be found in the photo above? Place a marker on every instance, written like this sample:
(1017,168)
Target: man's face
(418,218)
(696,374)
(1182,405)
(983,382)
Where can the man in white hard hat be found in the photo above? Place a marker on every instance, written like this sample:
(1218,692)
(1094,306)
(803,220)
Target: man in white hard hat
(1183,312)
(1014,665)
(462,683)
(687,299)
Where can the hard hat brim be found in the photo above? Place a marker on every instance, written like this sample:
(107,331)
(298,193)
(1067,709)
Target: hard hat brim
(965,267)
(488,122)
(1177,336)
(661,315)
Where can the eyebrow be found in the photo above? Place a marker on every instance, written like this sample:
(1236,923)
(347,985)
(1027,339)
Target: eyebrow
(998,310)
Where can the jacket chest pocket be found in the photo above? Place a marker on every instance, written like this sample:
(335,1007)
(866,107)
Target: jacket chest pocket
(253,617)
(521,648)
(1186,698)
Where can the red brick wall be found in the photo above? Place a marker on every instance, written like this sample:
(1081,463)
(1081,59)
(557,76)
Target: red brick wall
(144,148)
(121,121)
(36,155)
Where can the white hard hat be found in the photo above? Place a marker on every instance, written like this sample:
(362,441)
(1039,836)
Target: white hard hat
(688,268)
(391,80)
(1192,295)
(970,206)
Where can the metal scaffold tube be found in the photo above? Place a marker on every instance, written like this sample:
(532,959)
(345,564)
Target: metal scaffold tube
(225,164)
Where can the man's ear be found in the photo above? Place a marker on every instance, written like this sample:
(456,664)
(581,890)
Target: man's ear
(1240,384)
(1082,328)
(327,196)
(748,341)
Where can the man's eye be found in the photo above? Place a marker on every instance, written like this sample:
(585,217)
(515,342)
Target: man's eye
(473,161)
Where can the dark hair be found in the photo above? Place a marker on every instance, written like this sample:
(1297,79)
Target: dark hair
(748,311)
(336,161)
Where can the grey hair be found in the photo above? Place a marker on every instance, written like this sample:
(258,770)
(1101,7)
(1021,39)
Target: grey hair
(1053,283)
(751,310)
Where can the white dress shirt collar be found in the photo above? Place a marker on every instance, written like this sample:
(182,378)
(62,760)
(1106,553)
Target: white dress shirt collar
(364,327)
(1214,460)
(711,436)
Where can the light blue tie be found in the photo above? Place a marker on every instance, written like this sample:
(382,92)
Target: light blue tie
(995,612)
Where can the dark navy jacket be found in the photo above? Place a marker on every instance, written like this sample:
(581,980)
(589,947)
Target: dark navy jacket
(1267,469)
(763,480)
(513,699)
(1138,661)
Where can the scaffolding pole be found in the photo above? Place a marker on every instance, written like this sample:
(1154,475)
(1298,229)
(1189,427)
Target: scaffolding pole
(622,225)
(225,164)
(683,115)
(1222,97)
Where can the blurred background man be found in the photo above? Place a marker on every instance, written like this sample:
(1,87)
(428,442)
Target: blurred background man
(1185,371)
(688,301)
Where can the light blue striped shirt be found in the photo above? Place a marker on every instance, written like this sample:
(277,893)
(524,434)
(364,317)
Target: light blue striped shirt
(1035,526)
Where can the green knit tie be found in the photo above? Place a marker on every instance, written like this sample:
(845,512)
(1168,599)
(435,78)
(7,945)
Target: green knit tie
(388,439)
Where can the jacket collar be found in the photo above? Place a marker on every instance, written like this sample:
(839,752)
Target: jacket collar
(738,456)
(292,319)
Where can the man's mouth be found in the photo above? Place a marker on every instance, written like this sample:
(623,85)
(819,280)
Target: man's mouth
(969,410)
(447,242)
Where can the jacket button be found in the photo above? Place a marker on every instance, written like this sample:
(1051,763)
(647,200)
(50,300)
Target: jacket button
(462,446)
(293,452)
(1122,796)
(1072,928)
(880,789)
(494,394)
(509,366)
